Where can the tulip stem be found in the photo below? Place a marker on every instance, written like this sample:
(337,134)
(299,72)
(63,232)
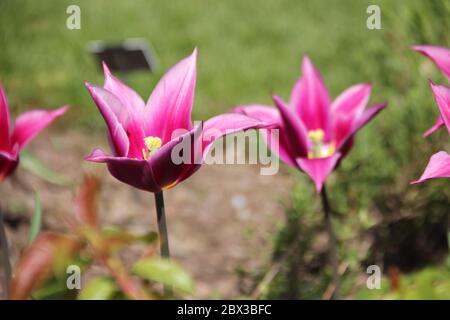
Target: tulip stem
(162,226)
(162,229)
(6,262)
(333,254)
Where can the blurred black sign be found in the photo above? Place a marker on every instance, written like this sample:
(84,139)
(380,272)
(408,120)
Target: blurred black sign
(131,55)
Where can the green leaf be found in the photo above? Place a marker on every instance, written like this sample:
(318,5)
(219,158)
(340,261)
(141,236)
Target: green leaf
(36,167)
(100,288)
(166,272)
(36,219)
(54,289)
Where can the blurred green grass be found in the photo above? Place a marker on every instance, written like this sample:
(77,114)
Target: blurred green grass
(247,49)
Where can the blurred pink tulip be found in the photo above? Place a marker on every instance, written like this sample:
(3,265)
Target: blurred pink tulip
(441,57)
(26,127)
(315,133)
(439,164)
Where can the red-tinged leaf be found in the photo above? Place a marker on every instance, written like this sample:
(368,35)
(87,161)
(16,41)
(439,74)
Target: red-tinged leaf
(130,286)
(394,278)
(38,261)
(86,204)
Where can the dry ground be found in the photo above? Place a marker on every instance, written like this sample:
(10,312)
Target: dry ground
(219,220)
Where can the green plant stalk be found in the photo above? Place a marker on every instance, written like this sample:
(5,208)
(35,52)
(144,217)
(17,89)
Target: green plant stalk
(6,262)
(162,225)
(333,254)
(162,230)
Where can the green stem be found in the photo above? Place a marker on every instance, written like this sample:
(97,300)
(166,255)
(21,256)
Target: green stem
(162,226)
(6,262)
(333,254)
(162,229)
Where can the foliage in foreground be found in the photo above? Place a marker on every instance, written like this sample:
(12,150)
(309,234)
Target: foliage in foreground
(48,267)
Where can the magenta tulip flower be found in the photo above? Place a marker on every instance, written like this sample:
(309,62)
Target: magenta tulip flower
(143,135)
(315,133)
(14,139)
(439,164)
(441,57)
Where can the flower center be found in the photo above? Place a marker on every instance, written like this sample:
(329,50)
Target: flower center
(319,148)
(152,144)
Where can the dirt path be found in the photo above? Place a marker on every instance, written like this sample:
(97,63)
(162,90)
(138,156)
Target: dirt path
(219,220)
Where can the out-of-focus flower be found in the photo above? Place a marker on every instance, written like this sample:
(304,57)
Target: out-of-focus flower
(142,135)
(439,164)
(14,138)
(315,133)
(441,57)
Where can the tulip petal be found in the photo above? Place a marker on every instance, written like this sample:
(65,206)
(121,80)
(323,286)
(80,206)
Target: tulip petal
(318,169)
(281,146)
(311,100)
(4,122)
(168,170)
(135,172)
(29,124)
(8,162)
(128,116)
(294,129)
(347,108)
(439,55)
(129,98)
(442,97)
(116,118)
(437,125)
(361,122)
(260,112)
(438,167)
(170,104)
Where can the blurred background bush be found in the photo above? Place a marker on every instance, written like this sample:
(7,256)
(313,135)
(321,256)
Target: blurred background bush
(247,51)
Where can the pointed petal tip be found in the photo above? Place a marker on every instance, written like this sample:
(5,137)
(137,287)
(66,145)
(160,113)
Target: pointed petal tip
(277,100)
(318,185)
(431,83)
(87,84)
(318,169)
(95,155)
(438,88)
(60,111)
(428,133)
(106,70)
(192,58)
(306,60)
(438,167)
(306,64)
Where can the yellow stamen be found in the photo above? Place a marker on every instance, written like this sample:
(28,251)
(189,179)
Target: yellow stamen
(144,154)
(316,135)
(152,144)
(319,148)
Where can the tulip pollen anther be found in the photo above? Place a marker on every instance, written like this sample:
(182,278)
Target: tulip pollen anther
(152,144)
(319,148)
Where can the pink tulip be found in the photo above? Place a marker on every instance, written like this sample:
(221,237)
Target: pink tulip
(441,57)
(141,135)
(439,164)
(315,133)
(13,140)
